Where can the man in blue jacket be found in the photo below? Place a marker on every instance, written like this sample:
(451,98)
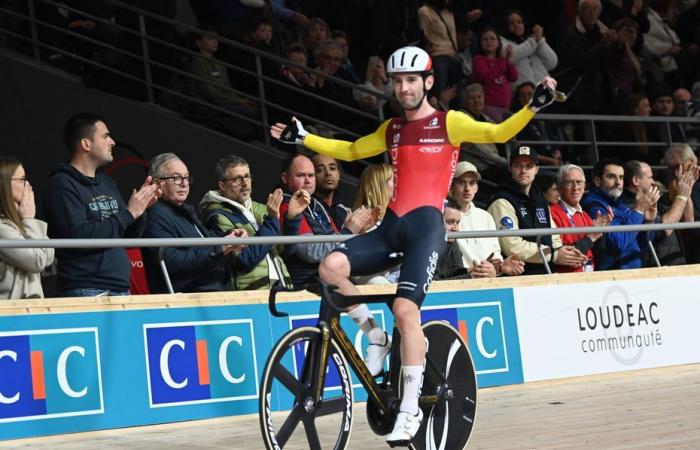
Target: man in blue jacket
(83,204)
(621,248)
(190,269)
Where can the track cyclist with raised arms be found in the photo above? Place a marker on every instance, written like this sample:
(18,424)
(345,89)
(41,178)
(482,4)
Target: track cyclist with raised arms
(424,149)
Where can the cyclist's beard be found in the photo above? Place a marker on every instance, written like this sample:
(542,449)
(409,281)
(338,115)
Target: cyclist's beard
(613,193)
(413,105)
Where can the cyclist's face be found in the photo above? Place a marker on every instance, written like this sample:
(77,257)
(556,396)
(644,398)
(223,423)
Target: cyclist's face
(409,89)
(464,189)
(523,171)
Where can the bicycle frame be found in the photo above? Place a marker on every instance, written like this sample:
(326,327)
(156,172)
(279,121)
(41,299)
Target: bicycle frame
(329,324)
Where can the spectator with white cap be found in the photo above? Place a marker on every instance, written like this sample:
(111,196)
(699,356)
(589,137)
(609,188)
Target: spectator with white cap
(482,256)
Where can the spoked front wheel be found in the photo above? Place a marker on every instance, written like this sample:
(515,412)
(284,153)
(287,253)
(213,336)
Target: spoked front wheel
(449,375)
(287,386)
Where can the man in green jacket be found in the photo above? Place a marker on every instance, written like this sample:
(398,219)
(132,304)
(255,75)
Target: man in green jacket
(230,207)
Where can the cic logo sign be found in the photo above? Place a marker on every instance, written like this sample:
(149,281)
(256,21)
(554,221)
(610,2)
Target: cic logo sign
(49,374)
(200,362)
(485,330)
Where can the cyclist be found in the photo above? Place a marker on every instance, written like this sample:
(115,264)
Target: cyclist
(424,149)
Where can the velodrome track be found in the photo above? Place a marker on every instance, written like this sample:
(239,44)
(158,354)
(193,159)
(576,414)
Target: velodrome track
(643,409)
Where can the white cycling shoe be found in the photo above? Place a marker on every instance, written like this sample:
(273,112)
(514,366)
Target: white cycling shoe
(376,353)
(405,429)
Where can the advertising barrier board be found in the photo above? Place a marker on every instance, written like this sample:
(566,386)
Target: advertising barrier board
(85,371)
(580,329)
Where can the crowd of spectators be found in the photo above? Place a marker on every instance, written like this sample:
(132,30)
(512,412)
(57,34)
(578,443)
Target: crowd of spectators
(608,53)
(84,203)
(633,57)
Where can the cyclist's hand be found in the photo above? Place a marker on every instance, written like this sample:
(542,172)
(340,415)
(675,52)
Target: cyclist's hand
(289,134)
(544,94)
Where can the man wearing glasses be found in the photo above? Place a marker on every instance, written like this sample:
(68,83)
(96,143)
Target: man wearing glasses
(568,213)
(189,269)
(231,207)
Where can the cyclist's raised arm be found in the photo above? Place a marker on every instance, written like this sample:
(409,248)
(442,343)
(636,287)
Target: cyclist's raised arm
(364,147)
(462,128)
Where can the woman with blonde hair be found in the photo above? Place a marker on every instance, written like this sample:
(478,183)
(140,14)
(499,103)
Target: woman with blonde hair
(375,190)
(20,268)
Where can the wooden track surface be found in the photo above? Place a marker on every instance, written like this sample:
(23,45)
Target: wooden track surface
(645,409)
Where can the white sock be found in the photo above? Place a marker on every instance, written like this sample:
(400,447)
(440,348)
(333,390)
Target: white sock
(412,381)
(363,317)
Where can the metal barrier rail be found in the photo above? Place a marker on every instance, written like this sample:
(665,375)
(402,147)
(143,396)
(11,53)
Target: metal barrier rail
(306,239)
(162,243)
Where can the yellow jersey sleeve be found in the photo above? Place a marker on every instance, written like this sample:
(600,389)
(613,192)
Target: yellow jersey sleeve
(370,145)
(462,128)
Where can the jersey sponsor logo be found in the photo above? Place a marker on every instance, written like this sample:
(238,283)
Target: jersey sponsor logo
(430,270)
(541,216)
(432,149)
(433,124)
(506,223)
(49,374)
(396,126)
(200,362)
(432,140)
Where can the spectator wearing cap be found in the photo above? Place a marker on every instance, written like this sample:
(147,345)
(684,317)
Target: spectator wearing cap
(482,256)
(518,204)
(485,157)
(621,248)
(567,213)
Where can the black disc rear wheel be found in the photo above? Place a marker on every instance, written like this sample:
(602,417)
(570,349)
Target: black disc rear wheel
(449,374)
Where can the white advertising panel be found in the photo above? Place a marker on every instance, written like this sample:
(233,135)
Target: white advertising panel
(579,329)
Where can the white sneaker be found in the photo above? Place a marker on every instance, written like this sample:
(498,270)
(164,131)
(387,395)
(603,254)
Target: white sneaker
(405,429)
(376,353)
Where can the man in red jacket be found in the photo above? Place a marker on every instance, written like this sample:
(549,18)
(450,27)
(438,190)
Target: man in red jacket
(568,213)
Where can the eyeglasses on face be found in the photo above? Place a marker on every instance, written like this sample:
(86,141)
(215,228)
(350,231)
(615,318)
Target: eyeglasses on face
(239,179)
(22,180)
(178,180)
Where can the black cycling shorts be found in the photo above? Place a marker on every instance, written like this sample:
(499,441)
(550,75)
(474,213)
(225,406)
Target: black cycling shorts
(418,235)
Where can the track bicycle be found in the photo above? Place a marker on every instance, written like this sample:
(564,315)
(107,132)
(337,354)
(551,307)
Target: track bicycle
(308,372)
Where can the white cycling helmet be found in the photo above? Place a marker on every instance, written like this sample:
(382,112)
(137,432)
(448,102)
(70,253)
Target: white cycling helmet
(409,60)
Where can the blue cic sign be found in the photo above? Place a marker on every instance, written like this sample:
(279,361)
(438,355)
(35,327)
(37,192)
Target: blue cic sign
(49,374)
(200,362)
